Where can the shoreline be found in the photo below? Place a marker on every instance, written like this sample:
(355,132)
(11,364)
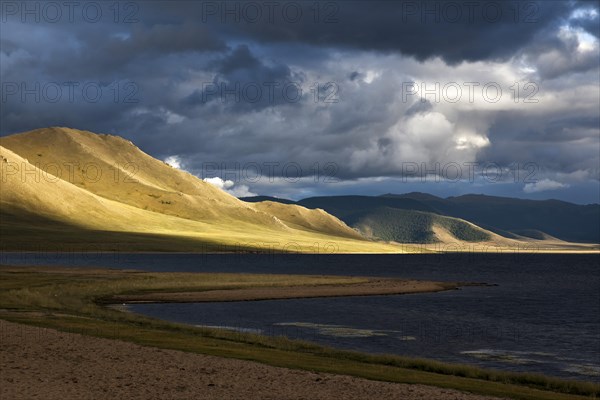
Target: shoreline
(427,250)
(69,301)
(108,368)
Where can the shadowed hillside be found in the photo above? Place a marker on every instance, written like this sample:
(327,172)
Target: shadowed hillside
(408,226)
(398,219)
(393,219)
(565,221)
(424,218)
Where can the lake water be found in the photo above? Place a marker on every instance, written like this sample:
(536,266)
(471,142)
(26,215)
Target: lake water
(544,315)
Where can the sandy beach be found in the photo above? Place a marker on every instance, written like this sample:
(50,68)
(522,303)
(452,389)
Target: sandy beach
(48,364)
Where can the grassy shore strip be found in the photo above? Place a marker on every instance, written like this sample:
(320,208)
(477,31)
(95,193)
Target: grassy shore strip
(64,299)
(370,287)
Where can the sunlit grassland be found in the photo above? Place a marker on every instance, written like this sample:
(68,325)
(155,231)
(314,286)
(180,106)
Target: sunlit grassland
(32,233)
(70,300)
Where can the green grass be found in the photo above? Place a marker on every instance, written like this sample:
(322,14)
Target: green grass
(410,226)
(461,229)
(30,232)
(70,300)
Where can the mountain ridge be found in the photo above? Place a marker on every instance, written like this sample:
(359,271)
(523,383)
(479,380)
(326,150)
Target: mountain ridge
(511,218)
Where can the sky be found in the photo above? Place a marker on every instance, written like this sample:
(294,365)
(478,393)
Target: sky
(295,99)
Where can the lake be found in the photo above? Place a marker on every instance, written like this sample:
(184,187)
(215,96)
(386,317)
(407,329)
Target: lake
(544,315)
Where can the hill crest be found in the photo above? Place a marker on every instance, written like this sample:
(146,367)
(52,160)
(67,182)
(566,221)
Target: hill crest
(106,172)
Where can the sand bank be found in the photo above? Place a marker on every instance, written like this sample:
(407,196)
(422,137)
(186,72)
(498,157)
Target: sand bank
(370,288)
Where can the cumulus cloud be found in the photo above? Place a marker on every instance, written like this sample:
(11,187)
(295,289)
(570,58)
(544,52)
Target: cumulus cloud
(543,186)
(241,191)
(175,162)
(230,187)
(220,183)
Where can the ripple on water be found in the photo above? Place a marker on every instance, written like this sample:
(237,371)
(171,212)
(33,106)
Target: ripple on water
(569,365)
(511,357)
(583,369)
(338,330)
(232,328)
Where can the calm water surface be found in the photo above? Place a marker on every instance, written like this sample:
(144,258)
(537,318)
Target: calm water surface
(544,315)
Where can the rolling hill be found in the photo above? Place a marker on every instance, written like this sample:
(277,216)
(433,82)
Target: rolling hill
(397,219)
(559,219)
(71,188)
(393,219)
(416,226)
(424,218)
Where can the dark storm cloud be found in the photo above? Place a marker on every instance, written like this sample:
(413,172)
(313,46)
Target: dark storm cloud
(240,59)
(142,44)
(422,29)
(153,41)
(244,82)
(160,67)
(554,142)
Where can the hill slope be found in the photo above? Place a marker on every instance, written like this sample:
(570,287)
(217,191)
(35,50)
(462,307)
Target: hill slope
(58,180)
(408,226)
(565,221)
(423,218)
(393,219)
(398,219)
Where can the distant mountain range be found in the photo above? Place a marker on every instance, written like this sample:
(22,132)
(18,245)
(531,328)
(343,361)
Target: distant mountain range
(414,217)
